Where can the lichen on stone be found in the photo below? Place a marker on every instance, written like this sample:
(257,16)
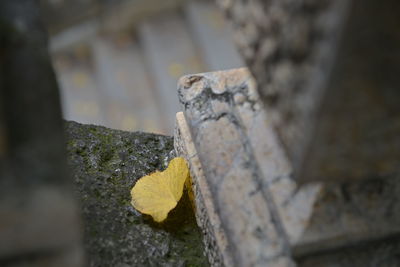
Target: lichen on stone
(105,164)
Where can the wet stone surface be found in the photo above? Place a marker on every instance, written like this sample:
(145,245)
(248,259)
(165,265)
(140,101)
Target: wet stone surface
(106,164)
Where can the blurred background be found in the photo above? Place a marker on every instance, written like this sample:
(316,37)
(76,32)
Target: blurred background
(118,61)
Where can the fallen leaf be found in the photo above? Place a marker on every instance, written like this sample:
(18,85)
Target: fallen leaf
(158,193)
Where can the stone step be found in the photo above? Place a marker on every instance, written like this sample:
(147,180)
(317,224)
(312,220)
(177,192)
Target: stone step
(169,52)
(125,86)
(165,47)
(213,35)
(81,99)
(73,36)
(112,15)
(117,15)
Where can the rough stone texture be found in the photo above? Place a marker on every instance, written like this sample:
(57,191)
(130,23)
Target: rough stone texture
(226,126)
(244,206)
(215,240)
(335,105)
(106,164)
(317,216)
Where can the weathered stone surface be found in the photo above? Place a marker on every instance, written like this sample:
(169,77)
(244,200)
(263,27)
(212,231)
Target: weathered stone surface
(215,240)
(318,216)
(334,104)
(106,164)
(244,206)
(225,134)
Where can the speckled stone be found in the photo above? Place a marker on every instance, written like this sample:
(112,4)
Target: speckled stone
(249,222)
(106,164)
(251,209)
(215,240)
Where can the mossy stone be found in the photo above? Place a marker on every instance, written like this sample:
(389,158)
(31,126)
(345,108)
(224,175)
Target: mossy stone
(105,164)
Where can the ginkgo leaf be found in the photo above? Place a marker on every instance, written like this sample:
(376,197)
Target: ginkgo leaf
(158,193)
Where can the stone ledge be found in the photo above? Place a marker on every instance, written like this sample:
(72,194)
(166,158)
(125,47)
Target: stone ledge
(249,183)
(248,217)
(106,164)
(215,241)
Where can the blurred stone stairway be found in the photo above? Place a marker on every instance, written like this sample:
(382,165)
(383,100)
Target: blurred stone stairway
(118,62)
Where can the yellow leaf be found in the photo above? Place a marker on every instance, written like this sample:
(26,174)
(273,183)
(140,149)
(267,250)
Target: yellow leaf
(158,193)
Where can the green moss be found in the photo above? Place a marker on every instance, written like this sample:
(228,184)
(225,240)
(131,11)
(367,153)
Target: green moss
(106,164)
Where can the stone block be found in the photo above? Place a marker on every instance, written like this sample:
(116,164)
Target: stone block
(245,208)
(251,186)
(214,236)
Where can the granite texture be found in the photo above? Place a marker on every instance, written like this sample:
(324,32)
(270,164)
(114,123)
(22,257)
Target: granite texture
(245,207)
(215,240)
(106,164)
(244,187)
